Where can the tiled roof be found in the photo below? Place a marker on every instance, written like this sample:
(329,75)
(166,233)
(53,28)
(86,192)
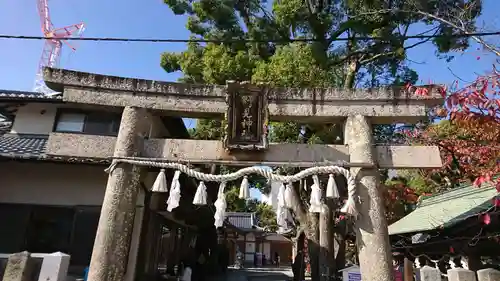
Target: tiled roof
(4,127)
(33,147)
(22,95)
(241,220)
(14,146)
(446,209)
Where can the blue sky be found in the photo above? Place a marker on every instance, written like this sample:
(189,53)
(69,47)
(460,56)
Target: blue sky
(146,19)
(151,18)
(19,59)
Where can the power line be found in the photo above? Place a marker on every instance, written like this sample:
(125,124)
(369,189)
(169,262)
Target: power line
(160,40)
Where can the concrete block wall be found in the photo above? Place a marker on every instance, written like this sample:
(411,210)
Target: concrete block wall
(25,266)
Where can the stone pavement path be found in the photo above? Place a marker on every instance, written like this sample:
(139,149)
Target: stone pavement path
(259,274)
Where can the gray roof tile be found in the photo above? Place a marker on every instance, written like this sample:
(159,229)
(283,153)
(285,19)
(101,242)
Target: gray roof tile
(241,220)
(14,146)
(4,127)
(23,95)
(33,147)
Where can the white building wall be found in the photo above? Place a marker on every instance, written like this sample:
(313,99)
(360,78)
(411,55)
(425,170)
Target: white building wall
(63,184)
(34,118)
(52,184)
(39,119)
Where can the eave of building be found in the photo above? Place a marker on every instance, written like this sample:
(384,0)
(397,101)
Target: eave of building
(33,148)
(383,105)
(23,96)
(10,100)
(243,222)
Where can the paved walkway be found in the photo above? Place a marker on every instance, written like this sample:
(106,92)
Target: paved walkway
(258,274)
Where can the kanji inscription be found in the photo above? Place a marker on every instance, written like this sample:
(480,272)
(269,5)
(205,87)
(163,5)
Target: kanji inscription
(246,117)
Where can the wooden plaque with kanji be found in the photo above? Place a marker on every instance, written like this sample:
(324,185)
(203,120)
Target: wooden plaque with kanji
(246,118)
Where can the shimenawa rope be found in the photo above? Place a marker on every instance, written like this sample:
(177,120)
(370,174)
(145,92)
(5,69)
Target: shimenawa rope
(349,207)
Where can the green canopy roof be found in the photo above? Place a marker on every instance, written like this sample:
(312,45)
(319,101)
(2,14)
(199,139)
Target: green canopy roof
(445,209)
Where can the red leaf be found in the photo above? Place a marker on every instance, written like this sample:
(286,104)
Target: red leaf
(452,251)
(478,181)
(496,201)
(486,219)
(498,186)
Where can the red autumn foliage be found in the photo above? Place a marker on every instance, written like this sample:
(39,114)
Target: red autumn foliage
(470,141)
(398,198)
(496,202)
(485,218)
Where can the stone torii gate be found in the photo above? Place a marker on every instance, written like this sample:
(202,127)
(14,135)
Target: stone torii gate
(247,108)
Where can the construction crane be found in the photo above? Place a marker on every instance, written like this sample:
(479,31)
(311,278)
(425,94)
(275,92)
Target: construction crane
(52,48)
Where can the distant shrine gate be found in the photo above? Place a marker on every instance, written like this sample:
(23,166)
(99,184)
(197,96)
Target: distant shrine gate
(248,109)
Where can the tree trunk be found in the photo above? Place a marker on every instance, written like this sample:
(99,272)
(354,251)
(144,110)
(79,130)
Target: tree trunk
(326,226)
(337,260)
(310,223)
(341,230)
(340,256)
(314,251)
(352,70)
(299,266)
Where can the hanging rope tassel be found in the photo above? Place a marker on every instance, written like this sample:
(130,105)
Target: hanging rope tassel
(331,188)
(200,197)
(244,189)
(281,210)
(289,195)
(349,207)
(175,192)
(220,206)
(316,206)
(160,184)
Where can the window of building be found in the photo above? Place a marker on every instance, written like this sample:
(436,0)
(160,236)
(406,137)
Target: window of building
(70,122)
(49,229)
(88,122)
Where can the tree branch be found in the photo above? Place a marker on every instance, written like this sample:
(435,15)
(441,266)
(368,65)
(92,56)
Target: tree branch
(490,47)
(476,38)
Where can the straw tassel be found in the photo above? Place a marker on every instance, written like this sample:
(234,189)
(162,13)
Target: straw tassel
(289,195)
(281,196)
(175,192)
(160,184)
(220,206)
(244,189)
(316,206)
(331,188)
(200,197)
(350,207)
(281,210)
